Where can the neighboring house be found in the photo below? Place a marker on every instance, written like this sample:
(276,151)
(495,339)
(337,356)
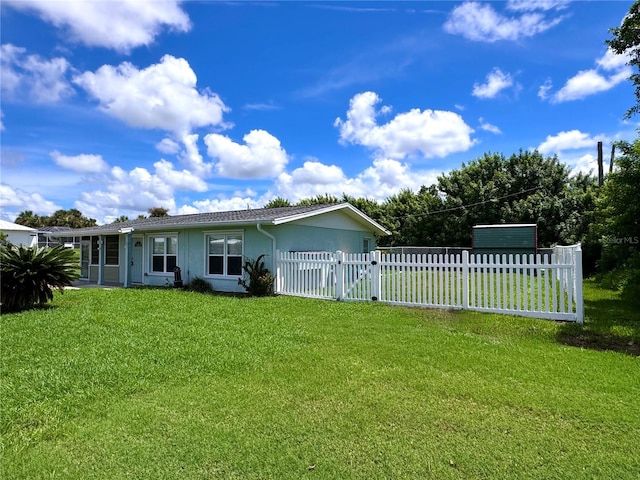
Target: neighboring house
(19,234)
(215,245)
(51,237)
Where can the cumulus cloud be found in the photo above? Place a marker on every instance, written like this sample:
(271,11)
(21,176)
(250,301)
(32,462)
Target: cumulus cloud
(261,156)
(568,140)
(116,24)
(14,200)
(83,163)
(168,146)
(496,82)
(488,127)
(162,96)
(433,133)
(191,157)
(385,177)
(611,70)
(32,78)
(182,180)
(481,23)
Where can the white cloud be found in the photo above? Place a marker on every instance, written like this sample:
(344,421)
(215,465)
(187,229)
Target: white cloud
(168,146)
(1,122)
(480,22)
(13,201)
(488,127)
(162,96)
(182,180)
(32,78)
(433,133)
(83,163)
(568,140)
(533,5)
(385,177)
(496,82)
(191,157)
(611,70)
(222,204)
(261,156)
(116,24)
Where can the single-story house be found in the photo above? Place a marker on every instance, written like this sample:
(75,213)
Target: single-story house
(19,234)
(214,246)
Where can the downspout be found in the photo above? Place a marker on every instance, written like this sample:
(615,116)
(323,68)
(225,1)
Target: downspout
(274,270)
(273,242)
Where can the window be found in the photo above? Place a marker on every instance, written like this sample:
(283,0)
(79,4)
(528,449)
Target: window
(111,245)
(164,250)
(112,250)
(224,254)
(366,245)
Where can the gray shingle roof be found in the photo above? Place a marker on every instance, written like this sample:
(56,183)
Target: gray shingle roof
(212,218)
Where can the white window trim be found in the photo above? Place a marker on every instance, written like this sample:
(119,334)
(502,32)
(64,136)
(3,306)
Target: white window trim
(149,262)
(206,252)
(109,265)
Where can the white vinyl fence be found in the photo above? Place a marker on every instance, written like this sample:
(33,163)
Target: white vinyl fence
(536,286)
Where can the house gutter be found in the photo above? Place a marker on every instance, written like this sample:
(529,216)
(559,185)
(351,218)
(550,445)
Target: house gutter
(273,241)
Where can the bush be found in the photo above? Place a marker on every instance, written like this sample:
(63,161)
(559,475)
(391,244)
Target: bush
(199,285)
(258,281)
(28,275)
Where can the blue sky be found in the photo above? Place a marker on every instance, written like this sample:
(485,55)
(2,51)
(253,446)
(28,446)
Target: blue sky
(113,107)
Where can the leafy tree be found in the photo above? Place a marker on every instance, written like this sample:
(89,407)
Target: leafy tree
(318,200)
(70,218)
(618,212)
(524,188)
(626,40)
(28,275)
(158,212)
(277,202)
(30,219)
(61,218)
(121,219)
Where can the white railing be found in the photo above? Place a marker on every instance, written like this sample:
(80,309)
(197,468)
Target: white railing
(535,286)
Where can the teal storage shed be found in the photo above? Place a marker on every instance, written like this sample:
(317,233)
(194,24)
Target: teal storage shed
(517,239)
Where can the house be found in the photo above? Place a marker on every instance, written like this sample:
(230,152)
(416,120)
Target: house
(215,245)
(19,234)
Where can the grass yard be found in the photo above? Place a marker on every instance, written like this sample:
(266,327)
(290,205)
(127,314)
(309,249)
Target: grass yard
(164,384)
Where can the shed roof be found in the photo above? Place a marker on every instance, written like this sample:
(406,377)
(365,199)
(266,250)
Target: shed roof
(273,216)
(14,227)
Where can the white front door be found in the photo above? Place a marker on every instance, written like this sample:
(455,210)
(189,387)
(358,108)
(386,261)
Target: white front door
(136,259)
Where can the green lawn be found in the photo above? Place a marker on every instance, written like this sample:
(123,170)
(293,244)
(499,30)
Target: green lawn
(152,384)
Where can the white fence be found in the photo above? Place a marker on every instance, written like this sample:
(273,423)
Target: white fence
(535,286)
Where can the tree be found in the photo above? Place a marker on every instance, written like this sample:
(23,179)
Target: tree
(626,40)
(61,218)
(30,219)
(158,212)
(121,219)
(318,200)
(524,188)
(28,275)
(277,202)
(70,218)
(618,226)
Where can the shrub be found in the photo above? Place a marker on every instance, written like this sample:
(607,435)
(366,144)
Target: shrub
(28,274)
(257,281)
(199,285)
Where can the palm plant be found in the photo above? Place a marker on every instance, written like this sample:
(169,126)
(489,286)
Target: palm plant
(258,281)
(28,275)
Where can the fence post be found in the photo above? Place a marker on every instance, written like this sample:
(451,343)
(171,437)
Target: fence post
(339,275)
(375,275)
(465,279)
(577,279)
(276,262)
